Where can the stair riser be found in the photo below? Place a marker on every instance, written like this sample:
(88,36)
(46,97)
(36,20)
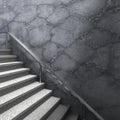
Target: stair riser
(5,52)
(13,76)
(16,86)
(5,68)
(19,99)
(3,60)
(32,108)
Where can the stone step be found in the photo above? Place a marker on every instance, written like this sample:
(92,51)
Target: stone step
(11,85)
(7,58)
(10,65)
(20,110)
(59,113)
(42,112)
(5,52)
(9,100)
(11,74)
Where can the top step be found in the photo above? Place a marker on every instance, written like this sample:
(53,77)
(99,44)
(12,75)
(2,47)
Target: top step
(5,52)
(7,58)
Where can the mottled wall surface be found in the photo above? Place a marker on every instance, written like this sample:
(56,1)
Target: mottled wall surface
(79,39)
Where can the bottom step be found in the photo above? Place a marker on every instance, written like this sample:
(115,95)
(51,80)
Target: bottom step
(59,113)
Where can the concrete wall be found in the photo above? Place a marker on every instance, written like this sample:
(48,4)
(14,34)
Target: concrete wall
(78,39)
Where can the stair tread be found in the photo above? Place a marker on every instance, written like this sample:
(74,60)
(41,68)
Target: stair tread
(43,109)
(2,74)
(72,116)
(58,113)
(8,56)
(23,106)
(19,92)
(16,81)
(10,63)
(5,50)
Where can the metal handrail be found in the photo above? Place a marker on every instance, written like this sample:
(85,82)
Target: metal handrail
(28,51)
(72,92)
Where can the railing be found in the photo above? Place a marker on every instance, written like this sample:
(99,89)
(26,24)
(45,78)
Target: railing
(36,59)
(85,106)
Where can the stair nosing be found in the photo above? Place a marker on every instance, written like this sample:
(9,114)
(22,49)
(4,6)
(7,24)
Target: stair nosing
(10,72)
(10,63)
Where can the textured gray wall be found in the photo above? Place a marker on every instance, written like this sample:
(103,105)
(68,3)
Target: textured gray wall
(79,39)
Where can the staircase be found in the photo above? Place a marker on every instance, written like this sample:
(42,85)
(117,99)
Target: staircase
(22,97)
